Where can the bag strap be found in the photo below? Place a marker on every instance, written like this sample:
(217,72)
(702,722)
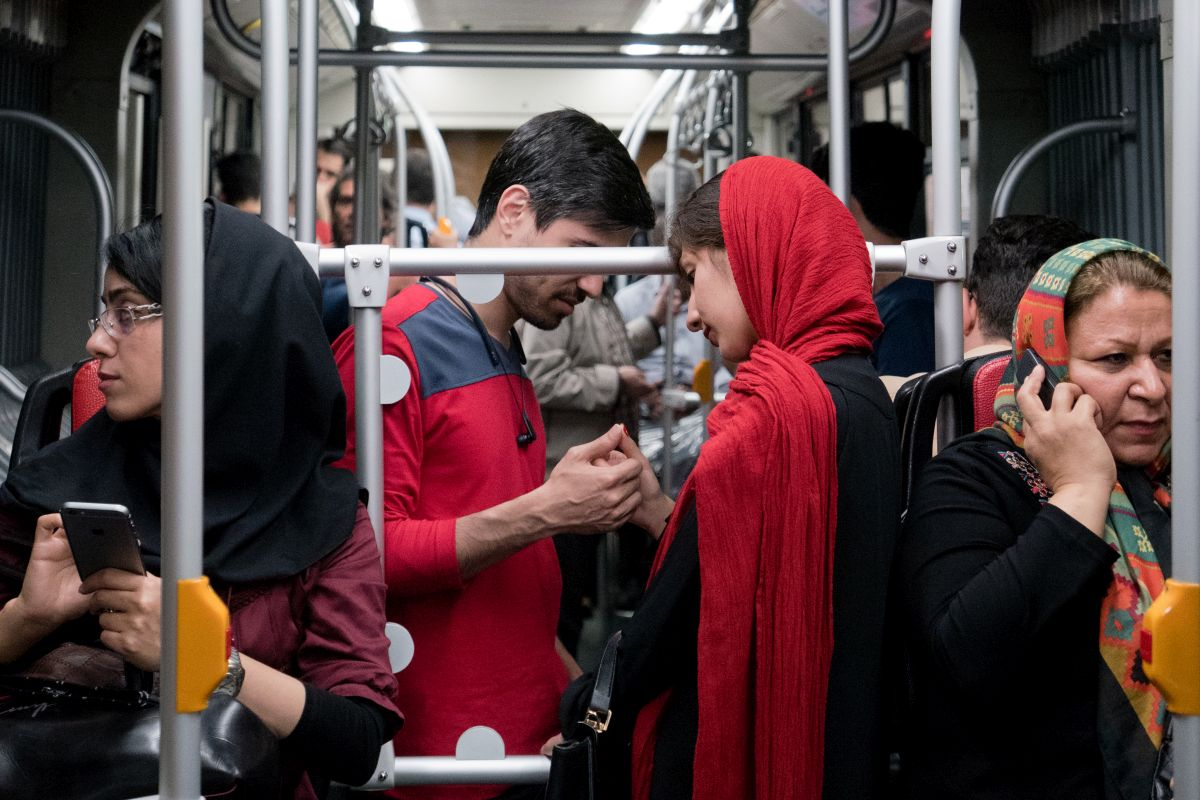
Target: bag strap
(599,714)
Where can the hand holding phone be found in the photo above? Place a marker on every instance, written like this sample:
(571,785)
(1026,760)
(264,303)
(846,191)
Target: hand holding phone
(1025,364)
(101,535)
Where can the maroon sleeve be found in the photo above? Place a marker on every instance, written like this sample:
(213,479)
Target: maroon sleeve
(343,648)
(16,539)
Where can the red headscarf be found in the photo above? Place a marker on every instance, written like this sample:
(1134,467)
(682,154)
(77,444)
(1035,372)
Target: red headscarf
(765,489)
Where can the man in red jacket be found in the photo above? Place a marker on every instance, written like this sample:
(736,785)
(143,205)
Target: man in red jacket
(469,561)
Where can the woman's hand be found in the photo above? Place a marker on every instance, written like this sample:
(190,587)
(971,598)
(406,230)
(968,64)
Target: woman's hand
(651,515)
(1066,446)
(128,607)
(50,591)
(548,747)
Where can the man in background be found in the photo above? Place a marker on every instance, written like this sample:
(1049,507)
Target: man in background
(887,170)
(240,175)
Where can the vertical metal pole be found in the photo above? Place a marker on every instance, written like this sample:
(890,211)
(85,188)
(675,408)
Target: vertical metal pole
(839,99)
(183,372)
(668,381)
(275,114)
(1185,446)
(947,186)
(306,124)
(400,177)
(362,156)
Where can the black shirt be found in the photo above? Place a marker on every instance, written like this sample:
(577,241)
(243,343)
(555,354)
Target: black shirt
(658,646)
(1003,603)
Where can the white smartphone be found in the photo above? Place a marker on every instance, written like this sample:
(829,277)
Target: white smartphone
(101,535)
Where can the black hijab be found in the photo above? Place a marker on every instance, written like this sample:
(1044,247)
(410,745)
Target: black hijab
(274,422)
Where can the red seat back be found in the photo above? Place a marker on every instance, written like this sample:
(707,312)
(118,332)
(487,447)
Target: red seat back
(86,398)
(983,390)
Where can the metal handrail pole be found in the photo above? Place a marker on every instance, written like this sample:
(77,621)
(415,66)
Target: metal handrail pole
(364,210)
(947,200)
(568,60)
(102,193)
(839,99)
(512,260)
(947,186)
(1185,434)
(875,36)
(274,66)
(183,374)
(440,770)
(1125,124)
(306,123)
(400,180)
(682,97)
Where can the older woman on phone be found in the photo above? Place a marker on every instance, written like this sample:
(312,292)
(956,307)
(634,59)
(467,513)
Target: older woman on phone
(287,544)
(1032,550)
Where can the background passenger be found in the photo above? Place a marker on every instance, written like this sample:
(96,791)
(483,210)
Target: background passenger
(887,169)
(765,610)
(333,158)
(240,176)
(1032,550)
(472,573)
(1006,258)
(286,541)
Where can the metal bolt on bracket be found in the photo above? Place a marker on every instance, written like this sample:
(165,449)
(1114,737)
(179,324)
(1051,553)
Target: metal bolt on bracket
(952,270)
(366,291)
(951,246)
(354,262)
(378,263)
(924,259)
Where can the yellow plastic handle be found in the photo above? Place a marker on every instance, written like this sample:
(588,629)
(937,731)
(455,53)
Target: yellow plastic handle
(1171,646)
(702,380)
(200,637)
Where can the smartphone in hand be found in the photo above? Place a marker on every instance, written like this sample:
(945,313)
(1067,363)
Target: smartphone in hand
(1025,364)
(101,535)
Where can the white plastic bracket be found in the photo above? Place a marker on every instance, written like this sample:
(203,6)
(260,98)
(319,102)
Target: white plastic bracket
(383,777)
(936,258)
(480,743)
(367,268)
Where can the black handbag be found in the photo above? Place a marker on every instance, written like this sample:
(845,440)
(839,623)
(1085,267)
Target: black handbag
(99,740)
(573,773)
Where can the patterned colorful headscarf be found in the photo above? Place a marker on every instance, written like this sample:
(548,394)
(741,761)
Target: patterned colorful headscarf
(1137,577)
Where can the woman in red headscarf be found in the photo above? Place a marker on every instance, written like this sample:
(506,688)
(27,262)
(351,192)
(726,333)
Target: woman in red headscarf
(729,682)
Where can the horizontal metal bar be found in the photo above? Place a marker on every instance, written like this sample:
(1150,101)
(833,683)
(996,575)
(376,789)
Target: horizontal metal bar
(440,770)
(766,62)
(887,257)
(777,62)
(524,260)
(535,39)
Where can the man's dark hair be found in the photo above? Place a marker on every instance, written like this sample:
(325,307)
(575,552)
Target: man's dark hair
(240,175)
(1006,258)
(887,171)
(338,148)
(419,177)
(574,168)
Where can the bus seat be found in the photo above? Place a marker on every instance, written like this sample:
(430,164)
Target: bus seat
(970,388)
(86,398)
(983,378)
(41,420)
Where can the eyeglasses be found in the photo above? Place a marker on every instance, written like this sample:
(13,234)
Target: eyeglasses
(119,321)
